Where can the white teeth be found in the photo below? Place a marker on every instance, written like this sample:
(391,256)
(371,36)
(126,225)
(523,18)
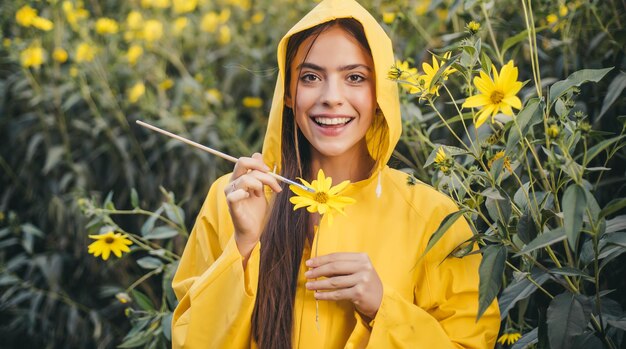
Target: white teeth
(332,121)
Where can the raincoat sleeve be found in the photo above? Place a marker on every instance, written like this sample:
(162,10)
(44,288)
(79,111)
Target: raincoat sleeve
(216,295)
(442,313)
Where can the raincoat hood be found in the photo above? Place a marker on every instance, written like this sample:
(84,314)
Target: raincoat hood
(386,90)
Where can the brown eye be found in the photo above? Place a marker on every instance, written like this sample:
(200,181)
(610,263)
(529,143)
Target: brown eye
(309,77)
(355,78)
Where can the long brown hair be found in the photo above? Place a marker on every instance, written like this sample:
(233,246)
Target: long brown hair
(284,235)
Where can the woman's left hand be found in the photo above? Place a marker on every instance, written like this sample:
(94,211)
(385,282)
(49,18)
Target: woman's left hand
(349,276)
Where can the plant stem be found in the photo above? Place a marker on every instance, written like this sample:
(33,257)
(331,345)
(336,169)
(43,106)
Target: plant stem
(491,34)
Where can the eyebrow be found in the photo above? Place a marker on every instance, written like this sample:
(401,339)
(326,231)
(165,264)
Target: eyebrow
(342,68)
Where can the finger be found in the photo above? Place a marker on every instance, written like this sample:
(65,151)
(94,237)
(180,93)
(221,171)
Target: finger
(335,269)
(334,283)
(339,256)
(237,196)
(267,180)
(337,295)
(244,164)
(250,184)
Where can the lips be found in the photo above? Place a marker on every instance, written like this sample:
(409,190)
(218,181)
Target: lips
(331,121)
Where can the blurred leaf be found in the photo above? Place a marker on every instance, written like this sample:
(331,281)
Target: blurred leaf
(614,206)
(588,340)
(166,326)
(162,232)
(149,262)
(614,91)
(446,223)
(52,159)
(520,289)
(616,224)
(576,79)
(513,40)
(134,198)
(139,339)
(543,240)
(574,203)
(30,229)
(175,213)
(148,225)
(566,320)
(142,300)
(490,272)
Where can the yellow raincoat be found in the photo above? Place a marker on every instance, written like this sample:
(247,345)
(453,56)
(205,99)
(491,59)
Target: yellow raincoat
(427,303)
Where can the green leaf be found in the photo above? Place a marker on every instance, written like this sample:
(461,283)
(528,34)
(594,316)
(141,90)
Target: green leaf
(598,148)
(174,213)
(613,92)
(450,150)
(511,41)
(139,339)
(142,300)
(520,289)
(162,232)
(616,239)
(148,225)
(529,116)
(614,206)
(576,79)
(52,159)
(574,203)
(526,228)
(543,240)
(571,272)
(567,319)
(134,198)
(149,262)
(527,340)
(490,272)
(166,326)
(446,223)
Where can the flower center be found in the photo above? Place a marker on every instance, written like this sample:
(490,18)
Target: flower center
(109,240)
(321,197)
(496,97)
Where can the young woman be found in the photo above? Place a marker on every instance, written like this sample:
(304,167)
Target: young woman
(248,277)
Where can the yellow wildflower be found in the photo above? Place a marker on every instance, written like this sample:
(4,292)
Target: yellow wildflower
(136,91)
(422,7)
(184,6)
(553,131)
(25,16)
(73,71)
(213,95)
(134,52)
(325,199)
(441,156)
(242,4)
(123,297)
(442,13)
(209,22)
(153,30)
(509,338)
(6,42)
(473,27)
(73,15)
(198,77)
(389,17)
(224,35)
(500,155)
(426,80)
(166,84)
(33,56)
(563,10)
(497,94)
(179,25)
(155,3)
(257,18)
(107,243)
(106,26)
(42,23)
(252,102)
(224,15)
(186,112)
(409,76)
(134,20)
(85,52)
(552,18)
(59,55)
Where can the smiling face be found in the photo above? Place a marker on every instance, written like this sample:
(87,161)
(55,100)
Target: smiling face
(332,92)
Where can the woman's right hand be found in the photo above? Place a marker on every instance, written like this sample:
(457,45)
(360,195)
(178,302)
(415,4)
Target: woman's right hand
(247,204)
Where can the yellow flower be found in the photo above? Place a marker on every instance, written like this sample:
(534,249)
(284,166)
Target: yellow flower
(426,80)
(33,56)
(6,42)
(563,10)
(552,18)
(198,77)
(242,4)
(422,7)
(166,84)
(499,155)
(441,156)
(85,52)
(257,18)
(509,338)
(106,26)
(59,55)
(136,91)
(74,15)
(184,6)
(553,131)
(389,17)
(409,76)
(123,297)
(473,27)
(25,16)
(209,22)
(499,94)
(73,71)
(134,52)
(155,3)
(224,15)
(325,199)
(224,35)
(252,102)
(134,20)
(42,23)
(213,95)
(152,30)
(179,25)
(107,243)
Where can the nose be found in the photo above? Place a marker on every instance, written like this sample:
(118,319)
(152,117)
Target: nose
(332,94)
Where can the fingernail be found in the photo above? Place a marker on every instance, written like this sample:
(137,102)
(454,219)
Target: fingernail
(309,263)
(308,285)
(307,274)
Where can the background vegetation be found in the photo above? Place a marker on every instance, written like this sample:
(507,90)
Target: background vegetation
(76,75)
